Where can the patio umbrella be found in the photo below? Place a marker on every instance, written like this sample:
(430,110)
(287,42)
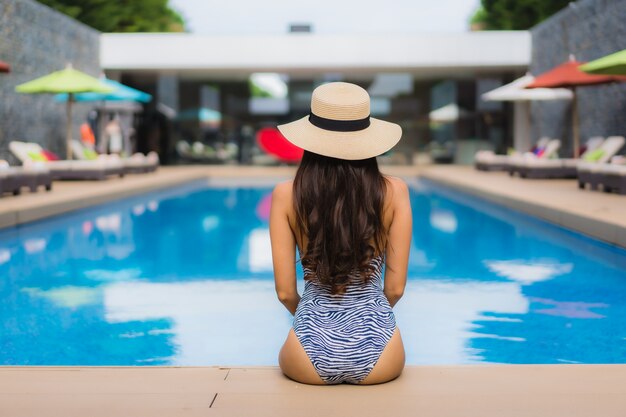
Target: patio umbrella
(517,92)
(4,67)
(448,114)
(568,75)
(68,81)
(614,64)
(119,92)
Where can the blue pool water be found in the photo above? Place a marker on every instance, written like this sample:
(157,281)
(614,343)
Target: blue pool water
(184,277)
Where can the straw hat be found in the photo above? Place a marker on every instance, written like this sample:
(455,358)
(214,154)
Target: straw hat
(339,125)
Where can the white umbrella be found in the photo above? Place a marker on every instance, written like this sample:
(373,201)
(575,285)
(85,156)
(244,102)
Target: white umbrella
(517,92)
(448,113)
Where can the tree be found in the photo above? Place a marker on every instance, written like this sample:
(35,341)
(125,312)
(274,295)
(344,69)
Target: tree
(123,15)
(514,14)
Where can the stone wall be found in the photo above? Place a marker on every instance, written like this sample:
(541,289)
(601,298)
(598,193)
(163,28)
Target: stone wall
(587,29)
(36,40)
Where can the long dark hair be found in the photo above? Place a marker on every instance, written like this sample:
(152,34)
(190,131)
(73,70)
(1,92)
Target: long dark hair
(339,206)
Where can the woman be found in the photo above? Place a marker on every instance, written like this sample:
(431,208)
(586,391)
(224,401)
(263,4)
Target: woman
(346,220)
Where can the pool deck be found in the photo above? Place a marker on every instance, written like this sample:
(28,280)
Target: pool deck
(434,391)
(593,213)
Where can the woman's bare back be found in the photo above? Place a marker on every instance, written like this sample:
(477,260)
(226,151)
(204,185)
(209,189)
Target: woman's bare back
(397,223)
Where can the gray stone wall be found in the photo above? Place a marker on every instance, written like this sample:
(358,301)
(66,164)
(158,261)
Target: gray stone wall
(588,29)
(36,40)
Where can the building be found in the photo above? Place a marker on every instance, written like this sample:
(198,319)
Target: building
(259,81)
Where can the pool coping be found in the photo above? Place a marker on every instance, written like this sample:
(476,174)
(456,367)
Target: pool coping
(431,390)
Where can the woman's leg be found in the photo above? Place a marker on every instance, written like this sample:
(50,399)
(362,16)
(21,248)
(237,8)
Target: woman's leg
(390,363)
(295,363)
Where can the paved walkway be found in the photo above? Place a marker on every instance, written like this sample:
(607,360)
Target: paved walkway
(433,391)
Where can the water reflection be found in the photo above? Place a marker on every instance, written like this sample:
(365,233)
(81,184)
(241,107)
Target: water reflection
(186,278)
(526,272)
(570,309)
(225,322)
(437,318)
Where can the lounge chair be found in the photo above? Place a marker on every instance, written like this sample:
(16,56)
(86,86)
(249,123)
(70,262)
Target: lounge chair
(13,179)
(201,153)
(8,182)
(614,178)
(558,167)
(98,169)
(519,164)
(490,161)
(592,172)
(136,164)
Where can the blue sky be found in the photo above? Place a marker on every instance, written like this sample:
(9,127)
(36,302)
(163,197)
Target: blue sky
(327,16)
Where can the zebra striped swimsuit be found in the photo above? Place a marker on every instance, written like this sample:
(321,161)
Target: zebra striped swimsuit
(344,335)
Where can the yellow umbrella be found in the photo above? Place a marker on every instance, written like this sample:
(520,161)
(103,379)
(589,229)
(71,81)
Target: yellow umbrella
(614,64)
(68,81)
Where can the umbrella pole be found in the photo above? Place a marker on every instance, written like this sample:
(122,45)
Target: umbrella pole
(68,127)
(575,131)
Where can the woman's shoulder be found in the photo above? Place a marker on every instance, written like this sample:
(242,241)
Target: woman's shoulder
(282,193)
(397,190)
(283,189)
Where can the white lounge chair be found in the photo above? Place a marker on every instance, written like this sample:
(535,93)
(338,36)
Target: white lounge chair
(518,164)
(29,153)
(556,167)
(13,179)
(490,161)
(613,178)
(137,163)
(593,173)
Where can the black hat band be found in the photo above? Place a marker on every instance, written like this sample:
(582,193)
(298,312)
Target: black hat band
(339,125)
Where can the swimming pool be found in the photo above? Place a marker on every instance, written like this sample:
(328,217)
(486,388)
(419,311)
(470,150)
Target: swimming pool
(184,277)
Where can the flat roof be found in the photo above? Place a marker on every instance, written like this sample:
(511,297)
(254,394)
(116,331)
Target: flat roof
(310,53)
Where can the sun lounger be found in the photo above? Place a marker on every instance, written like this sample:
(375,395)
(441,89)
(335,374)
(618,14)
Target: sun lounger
(614,178)
(140,163)
(200,153)
(136,164)
(97,169)
(490,161)
(559,167)
(519,164)
(13,179)
(8,182)
(591,173)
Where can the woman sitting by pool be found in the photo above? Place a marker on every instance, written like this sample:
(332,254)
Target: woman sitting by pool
(347,220)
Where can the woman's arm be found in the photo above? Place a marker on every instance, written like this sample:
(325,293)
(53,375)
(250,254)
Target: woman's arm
(283,248)
(399,243)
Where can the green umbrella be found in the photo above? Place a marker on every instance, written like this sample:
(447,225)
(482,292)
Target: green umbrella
(68,81)
(614,64)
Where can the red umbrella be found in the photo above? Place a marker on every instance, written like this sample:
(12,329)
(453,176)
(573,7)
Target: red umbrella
(4,67)
(274,143)
(567,75)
